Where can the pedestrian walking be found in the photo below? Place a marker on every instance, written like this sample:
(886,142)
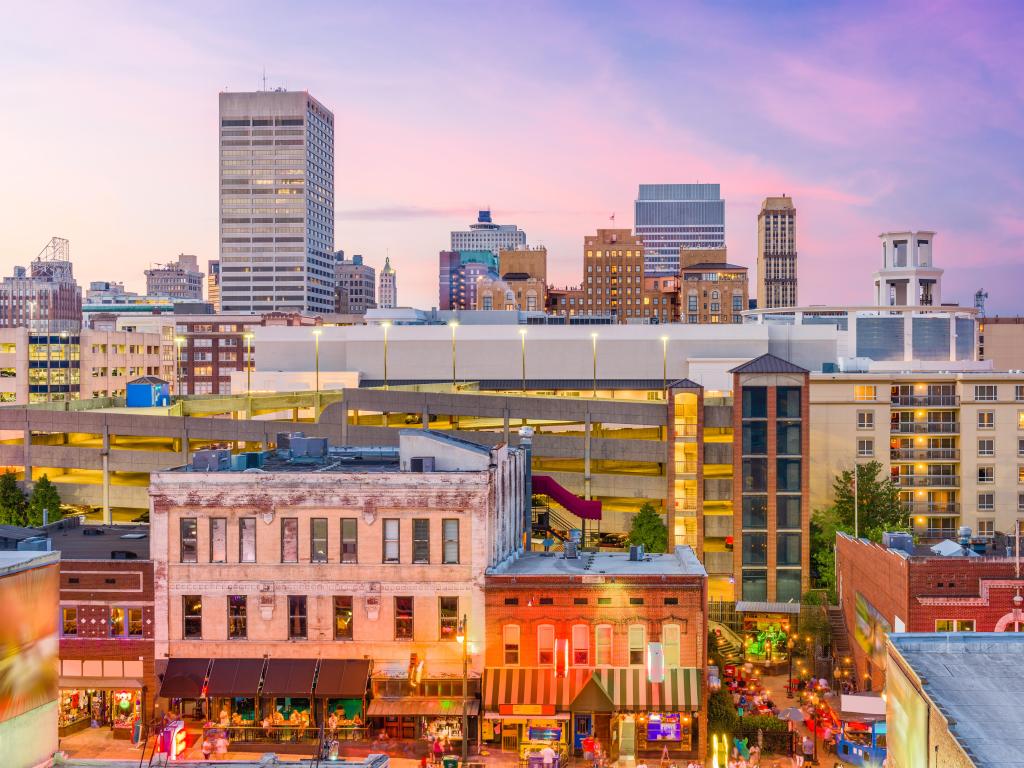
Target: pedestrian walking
(808,749)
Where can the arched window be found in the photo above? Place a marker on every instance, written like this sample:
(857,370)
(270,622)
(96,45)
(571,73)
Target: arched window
(637,636)
(545,645)
(580,645)
(670,640)
(603,645)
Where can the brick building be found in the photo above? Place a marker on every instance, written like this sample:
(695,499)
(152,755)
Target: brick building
(713,291)
(884,590)
(599,644)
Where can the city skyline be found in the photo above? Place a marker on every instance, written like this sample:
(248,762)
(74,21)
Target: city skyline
(869,128)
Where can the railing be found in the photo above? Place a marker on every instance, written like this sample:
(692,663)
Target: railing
(938,533)
(928,481)
(932,507)
(917,427)
(912,401)
(924,454)
(286,734)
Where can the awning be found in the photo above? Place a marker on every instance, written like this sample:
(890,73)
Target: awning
(531,690)
(749,606)
(343,678)
(235,677)
(289,677)
(631,691)
(184,678)
(426,707)
(99,683)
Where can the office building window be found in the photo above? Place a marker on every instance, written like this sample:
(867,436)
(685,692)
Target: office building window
(545,645)
(755,402)
(450,531)
(986,502)
(289,540)
(448,615)
(510,644)
(787,402)
(421,540)
(218,540)
(755,585)
(603,645)
(986,474)
(238,617)
(865,419)
(343,617)
(318,540)
(788,477)
(787,549)
(865,447)
(985,392)
(189,535)
(349,550)
(403,618)
(297,625)
(192,617)
(391,545)
(865,392)
(247,540)
(986,447)
(755,475)
(670,643)
(755,513)
(986,419)
(787,512)
(636,635)
(787,585)
(755,438)
(755,548)
(580,645)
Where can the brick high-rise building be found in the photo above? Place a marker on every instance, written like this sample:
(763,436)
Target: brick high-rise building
(712,290)
(776,253)
(613,273)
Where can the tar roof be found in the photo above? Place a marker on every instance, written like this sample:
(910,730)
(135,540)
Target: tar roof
(683,562)
(97,542)
(976,681)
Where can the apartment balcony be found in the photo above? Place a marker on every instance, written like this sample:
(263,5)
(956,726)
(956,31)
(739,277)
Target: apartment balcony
(924,454)
(927,481)
(917,401)
(925,427)
(932,508)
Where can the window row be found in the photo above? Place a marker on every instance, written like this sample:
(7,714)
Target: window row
(585,651)
(121,622)
(755,549)
(787,402)
(990,392)
(755,475)
(787,513)
(987,446)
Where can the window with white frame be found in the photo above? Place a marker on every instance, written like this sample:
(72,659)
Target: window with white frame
(986,527)
(636,636)
(1020,502)
(865,419)
(986,474)
(1020,446)
(865,392)
(1018,393)
(986,502)
(510,642)
(580,645)
(986,446)
(986,419)
(603,645)
(670,643)
(1020,474)
(545,645)
(987,392)
(865,447)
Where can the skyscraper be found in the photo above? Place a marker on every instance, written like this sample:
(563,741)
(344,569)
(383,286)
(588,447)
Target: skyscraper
(776,253)
(387,294)
(276,202)
(486,235)
(673,216)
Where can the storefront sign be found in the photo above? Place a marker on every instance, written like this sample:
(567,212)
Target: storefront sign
(526,709)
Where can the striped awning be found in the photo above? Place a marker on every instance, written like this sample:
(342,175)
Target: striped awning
(531,690)
(630,690)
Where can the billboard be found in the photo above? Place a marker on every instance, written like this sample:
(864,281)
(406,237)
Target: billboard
(870,630)
(906,719)
(28,640)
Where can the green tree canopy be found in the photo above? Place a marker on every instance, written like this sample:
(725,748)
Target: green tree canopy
(13,505)
(44,496)
(649,529)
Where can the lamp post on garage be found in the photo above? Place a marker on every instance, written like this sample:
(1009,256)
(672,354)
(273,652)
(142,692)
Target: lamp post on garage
(462,635)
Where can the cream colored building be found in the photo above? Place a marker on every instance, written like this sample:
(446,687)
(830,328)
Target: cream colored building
(953,442)
(1001,340)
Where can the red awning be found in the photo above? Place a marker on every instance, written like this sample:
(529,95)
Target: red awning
(588,510)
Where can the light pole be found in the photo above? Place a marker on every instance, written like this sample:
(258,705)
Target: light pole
(593,343)
(179,342)
(522,337)
(462,635)
(316,356)
(789,683)
(454,324)
(386,326)
(248,362)
(664,365)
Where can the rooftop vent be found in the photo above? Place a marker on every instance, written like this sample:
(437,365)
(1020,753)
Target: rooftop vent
(421,464)
(211,460)
(636,552)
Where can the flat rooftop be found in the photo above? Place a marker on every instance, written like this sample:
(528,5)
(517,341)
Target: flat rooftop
(15,562)
(97,542)
(977,682)
(682,562)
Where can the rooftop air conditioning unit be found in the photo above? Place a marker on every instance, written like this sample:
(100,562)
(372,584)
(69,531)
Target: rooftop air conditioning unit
(421,464)
(211,460)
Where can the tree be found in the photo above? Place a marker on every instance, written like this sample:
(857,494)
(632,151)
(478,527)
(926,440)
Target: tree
(649,529)
(722,715)
(13,507)
(44,496)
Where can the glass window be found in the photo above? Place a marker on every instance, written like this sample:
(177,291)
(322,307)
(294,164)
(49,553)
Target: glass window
(755,402)
(787,585)
(787,402)
(69,622)
(192,617)
(986,502)
(603,645)
(755,585)
(510,642)
(218,540)
(755,513)
(1020,446)
(117,622)
(450,531)
(343,617)
(421,540)
(637,635)
(247,540)
(580,645)
(865,392)
(318,540)
(448,612)
(865,419)
(403,617)
(787,438)
(1020,419)
(670,640)
(985,392)
(986,419)
(349,550)
(134,622)
(865,448)
(189,540)
(289,540)
(545,645)
(787,512)
(788,478)
(1018,392)
(755,475)
(986,528)
(755,549)
(755,438)
(787,549)
(297,617)
(954,625)
(238,617)
(986,474)
(986,447)
(391,546)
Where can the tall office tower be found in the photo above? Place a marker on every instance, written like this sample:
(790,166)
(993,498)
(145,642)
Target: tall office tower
(673,216)
(356,289)
(908,277)
(485,235)
(776,253)
(179,279)
(387,294)
(276,202)
(44,298)
(213,283)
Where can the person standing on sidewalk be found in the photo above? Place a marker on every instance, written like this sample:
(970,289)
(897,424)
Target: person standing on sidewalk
(808,749)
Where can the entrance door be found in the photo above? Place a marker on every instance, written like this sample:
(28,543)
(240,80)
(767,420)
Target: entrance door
(510,738)
(582,724)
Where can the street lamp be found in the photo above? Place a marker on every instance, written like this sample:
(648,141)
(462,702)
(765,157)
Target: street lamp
(248,362)
(454,324)
(316,355)
(179,342)
(789,683)
(593,343)
(386,326)
(461,635)
(664,365)
(522,336)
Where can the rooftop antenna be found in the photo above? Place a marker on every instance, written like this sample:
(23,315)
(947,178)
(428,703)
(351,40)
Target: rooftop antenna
(979,300)
(264,78)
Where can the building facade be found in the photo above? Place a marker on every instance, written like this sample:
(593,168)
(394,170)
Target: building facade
(44,298)
(355,285)
(614,273)
(712,290)
(672,216)
(459,272)
(511,293)
(213,283)
(485,235)
(179,279)
(908,278)
(276,202)
(387,293)
(1001,340)
(776,253)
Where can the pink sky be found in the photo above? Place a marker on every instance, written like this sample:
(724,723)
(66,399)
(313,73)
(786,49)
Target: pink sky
(871,116)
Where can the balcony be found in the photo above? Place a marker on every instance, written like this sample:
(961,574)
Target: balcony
(927,481)
(924,454)
(932,508)
(925,427)
(916,401)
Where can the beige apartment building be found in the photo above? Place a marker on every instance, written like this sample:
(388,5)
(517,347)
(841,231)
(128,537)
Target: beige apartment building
(776,253)
(953,442)
(1001,340)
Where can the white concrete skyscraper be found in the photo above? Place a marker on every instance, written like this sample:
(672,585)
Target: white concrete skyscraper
(276,202)
(387,293)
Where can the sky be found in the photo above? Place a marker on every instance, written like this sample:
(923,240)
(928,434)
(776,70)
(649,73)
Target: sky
(873,116)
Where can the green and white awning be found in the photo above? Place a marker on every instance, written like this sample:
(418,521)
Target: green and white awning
(631,691)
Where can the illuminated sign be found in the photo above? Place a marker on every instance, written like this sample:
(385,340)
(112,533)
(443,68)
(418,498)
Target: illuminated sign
(526,709)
